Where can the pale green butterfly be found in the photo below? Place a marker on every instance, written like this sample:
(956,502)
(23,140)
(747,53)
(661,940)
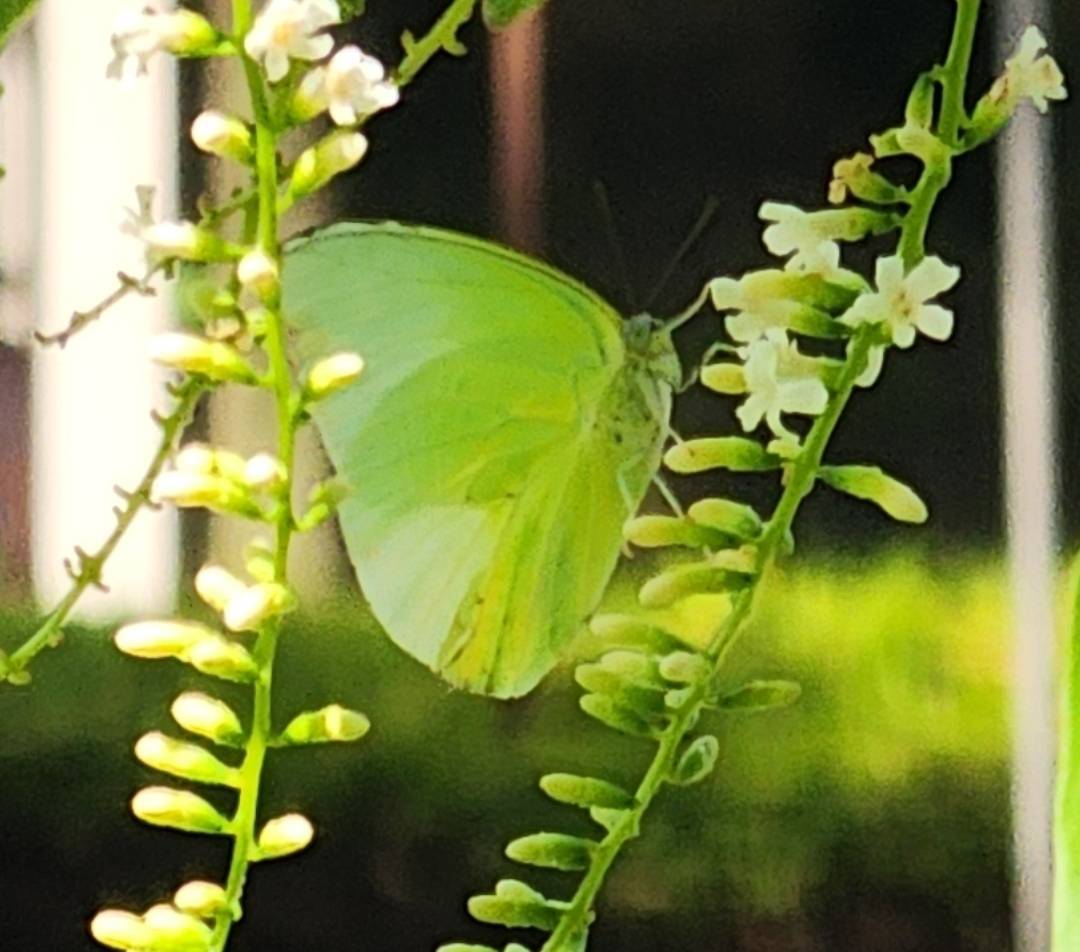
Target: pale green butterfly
(507,423)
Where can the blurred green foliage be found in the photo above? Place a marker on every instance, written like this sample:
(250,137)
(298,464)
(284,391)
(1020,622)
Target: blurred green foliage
(871,815)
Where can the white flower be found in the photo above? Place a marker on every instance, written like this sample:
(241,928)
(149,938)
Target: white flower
(139,34)
(900,301)
(137,221)
(758,302)
(352,86)
(795,232)
(289,29)
(264,472)
(779,379)
(219,134)
(1030,75)
(259,274)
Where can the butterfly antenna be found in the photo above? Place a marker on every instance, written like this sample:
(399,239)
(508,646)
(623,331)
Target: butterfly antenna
(615,243)
(712,204)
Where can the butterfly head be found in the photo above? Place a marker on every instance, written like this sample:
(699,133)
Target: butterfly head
(649,343)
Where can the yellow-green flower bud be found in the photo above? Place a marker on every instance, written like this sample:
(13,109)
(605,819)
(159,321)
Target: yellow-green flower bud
(253,607)
(328,158)
(216,586)
(191,490)
(223,659)
(178,809)
(332,723)
(181,759)
(199,898)
(208,717)
(119,929)
(259,274)
(217,134)
(161,639)
(197,355)
(265,473)
(285,835)
(332,374)
(196,458)
(724,378)
(259,560)
(176,931)
(185,241)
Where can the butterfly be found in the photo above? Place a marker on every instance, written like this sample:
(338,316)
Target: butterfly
(508,422)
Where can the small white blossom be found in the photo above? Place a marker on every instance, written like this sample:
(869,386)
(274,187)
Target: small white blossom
(1029,74)
(139,34)
(795,232)
(333,373)
(264,472)
(779,379)
(259,274)
(219,134)
(352,86)
(289,29)
(900,301)
(760,308)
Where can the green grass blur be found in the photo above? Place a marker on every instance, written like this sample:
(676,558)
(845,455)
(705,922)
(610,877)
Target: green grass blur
(873,815)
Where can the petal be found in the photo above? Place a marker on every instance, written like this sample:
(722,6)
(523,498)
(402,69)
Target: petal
(277,64)
(867,309)
(807,396)
(875,360)
(315,48)
(726,294)
(745,327)
(931,277)
(935,321)
(888,273)
(750,413)
(903,335)
(342,112)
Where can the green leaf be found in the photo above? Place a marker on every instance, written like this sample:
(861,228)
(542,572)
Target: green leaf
(12,14)
(501,13)
(585,792)
(552,851)
(735,453)
(874,485)
(697,761)
(760,696)
(516,906)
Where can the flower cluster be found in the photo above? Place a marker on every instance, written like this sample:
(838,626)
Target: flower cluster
(238,339)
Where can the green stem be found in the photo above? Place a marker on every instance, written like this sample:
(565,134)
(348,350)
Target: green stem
(266,233)
(800,482)
(91,566)
(442,36)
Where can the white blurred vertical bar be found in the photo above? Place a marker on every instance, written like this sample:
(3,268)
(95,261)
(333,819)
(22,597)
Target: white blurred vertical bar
(91,402)
(517,89)
(1028,383)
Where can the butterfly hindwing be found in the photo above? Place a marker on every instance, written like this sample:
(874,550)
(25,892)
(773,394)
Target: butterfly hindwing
(493,444)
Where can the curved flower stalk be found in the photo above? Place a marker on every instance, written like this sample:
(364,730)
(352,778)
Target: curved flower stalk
(294,77)
(656,685)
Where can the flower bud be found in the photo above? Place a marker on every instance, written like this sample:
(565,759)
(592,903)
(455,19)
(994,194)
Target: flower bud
(265,473)
(161,639)
(259,560)
(332,374)
(284,835)
(196,355)
(189,490)
(251,608)
(216,585)
(176,931)
(208,717)
(181,759)
(199,898)
(855,175)
(724,378)
(178,809)
(121,930)
(195,458)
(183,240)
(322,162)
(226,136)
(323,501)
(138,35)
(332,723)
(259,274)
(221,658)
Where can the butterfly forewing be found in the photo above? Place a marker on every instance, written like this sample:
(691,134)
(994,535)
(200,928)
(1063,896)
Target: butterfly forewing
(493,445)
